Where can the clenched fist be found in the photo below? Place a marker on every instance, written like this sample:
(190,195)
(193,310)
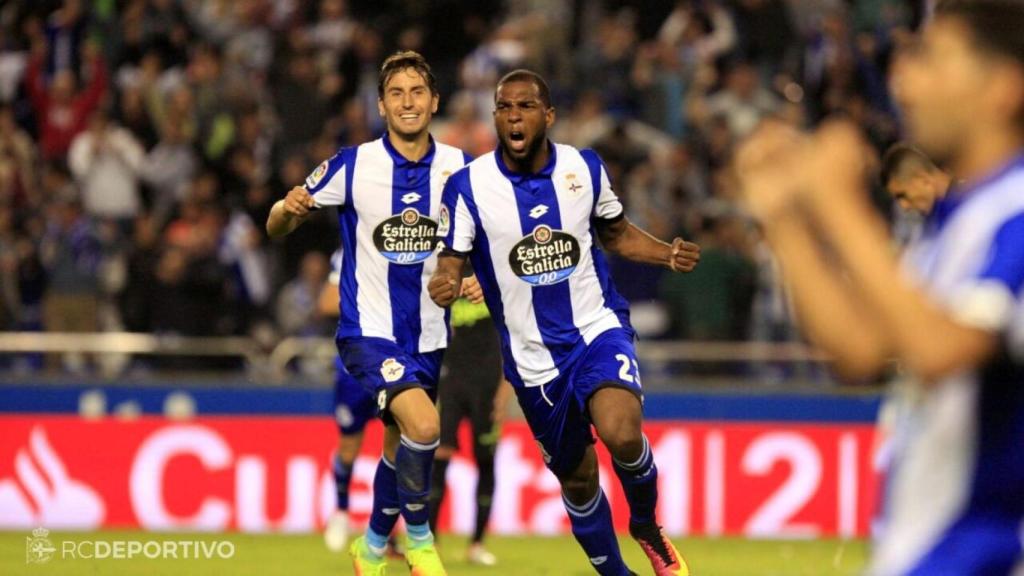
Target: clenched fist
(298,202)
(684,256)
(444,289)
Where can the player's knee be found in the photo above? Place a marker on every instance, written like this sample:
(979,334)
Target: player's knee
(623,437)
(423,430)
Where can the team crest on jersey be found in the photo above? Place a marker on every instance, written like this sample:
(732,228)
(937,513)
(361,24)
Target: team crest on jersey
(318,174)
(406,238)
(392,370)
(573,185)
(545,256)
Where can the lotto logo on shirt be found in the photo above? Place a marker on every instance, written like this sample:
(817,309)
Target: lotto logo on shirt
(545,257)
(406,238)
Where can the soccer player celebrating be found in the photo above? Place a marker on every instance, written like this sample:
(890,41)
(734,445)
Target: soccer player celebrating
(952,315)
(529,216)
(390,335)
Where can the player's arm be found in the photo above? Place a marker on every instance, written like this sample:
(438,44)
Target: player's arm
(457,231)
(829,311)
(622,237)
(324,187)
(929,340)
(772,169)
(288,213)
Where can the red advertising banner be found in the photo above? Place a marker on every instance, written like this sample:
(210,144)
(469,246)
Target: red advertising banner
(258,474)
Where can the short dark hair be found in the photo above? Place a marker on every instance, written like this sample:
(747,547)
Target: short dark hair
(900,157)
(995,24)
(523,75)
(400,61)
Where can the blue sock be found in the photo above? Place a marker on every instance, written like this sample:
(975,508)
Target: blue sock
(385,507)
(342,479)
(640,484)
(592,527)
(412,463)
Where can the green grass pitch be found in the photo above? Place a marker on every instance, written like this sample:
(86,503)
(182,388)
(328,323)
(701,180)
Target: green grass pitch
(528,556)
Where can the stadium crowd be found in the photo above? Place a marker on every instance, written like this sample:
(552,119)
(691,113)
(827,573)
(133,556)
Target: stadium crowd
(142,142)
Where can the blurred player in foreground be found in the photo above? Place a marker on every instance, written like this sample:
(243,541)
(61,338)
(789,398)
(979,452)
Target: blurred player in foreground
(390,336)
(529,216)
(472,389)
(952,317)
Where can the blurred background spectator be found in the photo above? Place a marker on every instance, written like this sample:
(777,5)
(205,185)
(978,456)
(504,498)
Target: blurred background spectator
(142,142)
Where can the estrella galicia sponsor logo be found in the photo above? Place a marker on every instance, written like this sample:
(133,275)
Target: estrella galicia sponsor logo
(406,238)
(545,256)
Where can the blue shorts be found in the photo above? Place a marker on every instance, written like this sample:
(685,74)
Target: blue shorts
(354,405)
(384,370)
(557,411)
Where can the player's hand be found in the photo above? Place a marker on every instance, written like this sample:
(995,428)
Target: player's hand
(443,289)
(684,256)
(471,290)
(839,155)
(772,168)
(298,202)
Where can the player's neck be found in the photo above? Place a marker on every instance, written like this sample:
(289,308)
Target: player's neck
(987,154)
(413,149)
(530,165)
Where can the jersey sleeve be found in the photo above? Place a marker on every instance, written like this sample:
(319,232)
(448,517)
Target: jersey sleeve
(606,203)
(990,299)
(456,226)
(327,181)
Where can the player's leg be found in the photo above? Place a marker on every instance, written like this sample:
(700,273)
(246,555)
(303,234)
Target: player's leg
(354,407)
(450,412)
(560,428)
(486,433)
(418,421)
(610,382)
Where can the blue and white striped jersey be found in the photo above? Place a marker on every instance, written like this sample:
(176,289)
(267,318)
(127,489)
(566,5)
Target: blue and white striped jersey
(954,498)
(388,207)
(533,246)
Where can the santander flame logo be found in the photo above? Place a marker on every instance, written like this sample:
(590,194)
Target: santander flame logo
(42,493)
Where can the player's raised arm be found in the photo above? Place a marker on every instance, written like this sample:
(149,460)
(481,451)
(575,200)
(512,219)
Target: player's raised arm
(622,237)
(324,187)
(288,213)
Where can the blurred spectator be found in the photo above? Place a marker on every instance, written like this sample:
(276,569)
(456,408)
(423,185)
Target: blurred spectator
(62,111)
(297,310)
(714,301)
(71,254)
(106,161)
(168,169)
(743,102)
(17,161)
(465,130)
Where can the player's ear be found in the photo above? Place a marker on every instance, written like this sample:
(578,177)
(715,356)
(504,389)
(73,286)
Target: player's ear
(380,107)
(434,100)
(549,116)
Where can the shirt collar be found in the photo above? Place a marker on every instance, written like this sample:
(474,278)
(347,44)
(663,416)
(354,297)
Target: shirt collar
(545,172)
(959,194)
(401,161)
